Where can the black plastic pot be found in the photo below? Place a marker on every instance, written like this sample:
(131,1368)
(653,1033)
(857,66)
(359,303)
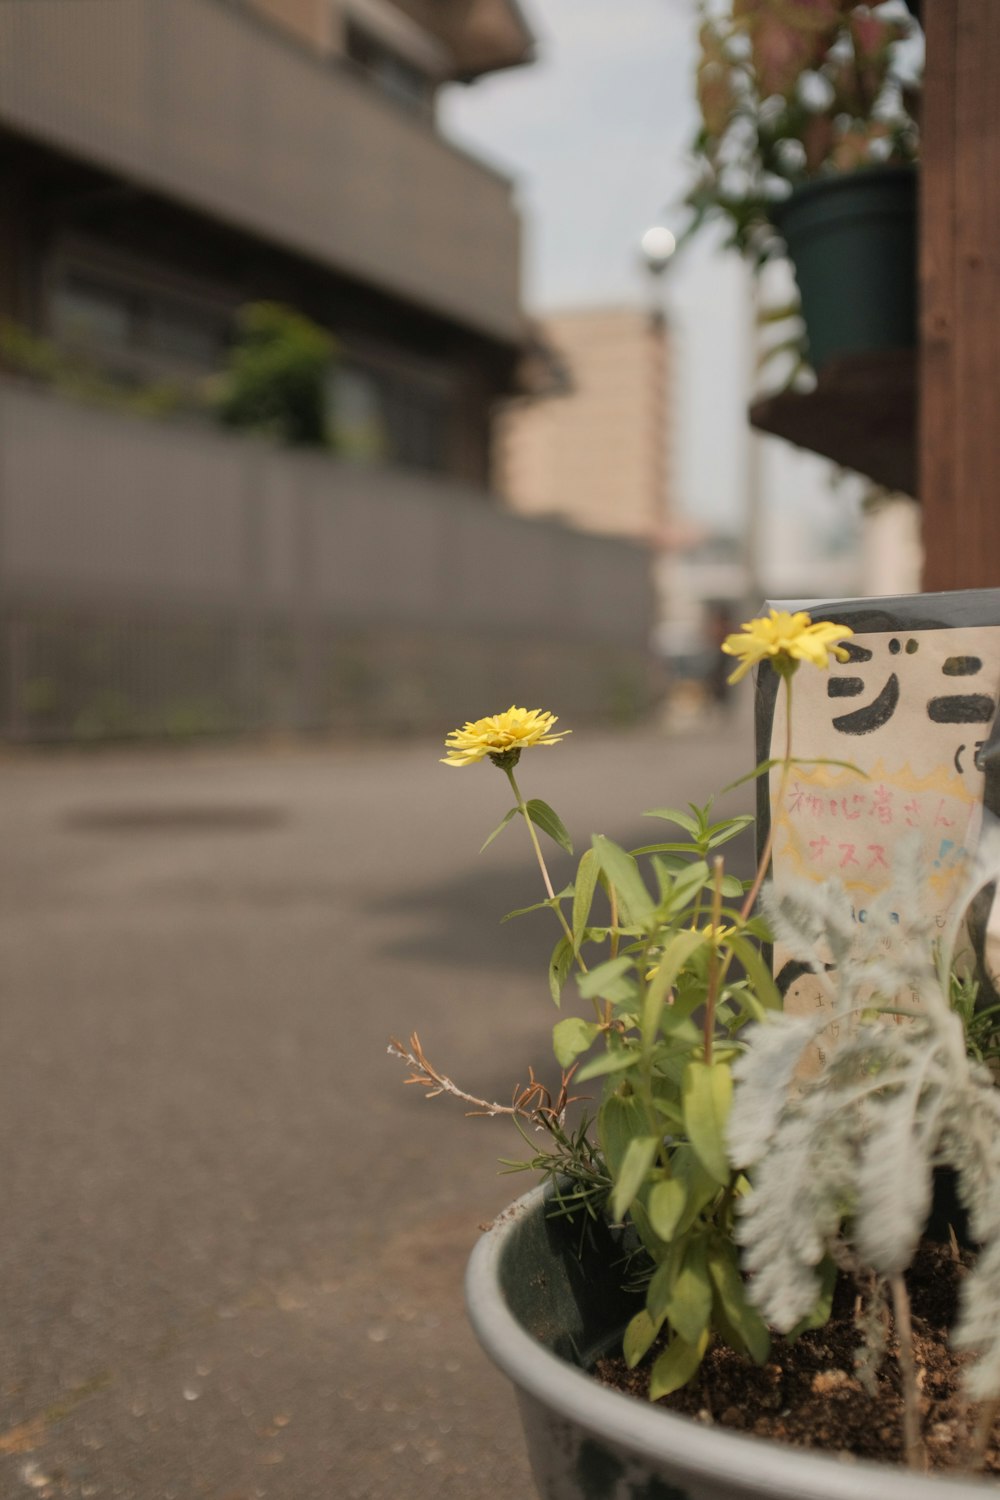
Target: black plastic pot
(545,1300)
(853,242)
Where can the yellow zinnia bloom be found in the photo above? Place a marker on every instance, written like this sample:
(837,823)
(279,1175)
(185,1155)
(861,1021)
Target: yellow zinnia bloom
(502,737)
(785,639)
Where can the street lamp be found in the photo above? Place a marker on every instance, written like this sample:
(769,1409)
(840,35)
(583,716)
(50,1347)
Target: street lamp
(658,245)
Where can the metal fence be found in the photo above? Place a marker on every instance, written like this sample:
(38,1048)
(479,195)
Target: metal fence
(160,578)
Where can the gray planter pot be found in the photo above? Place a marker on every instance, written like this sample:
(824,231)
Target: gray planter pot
(543,1312)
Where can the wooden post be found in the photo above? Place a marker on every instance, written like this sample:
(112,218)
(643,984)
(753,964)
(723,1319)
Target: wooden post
(960,295)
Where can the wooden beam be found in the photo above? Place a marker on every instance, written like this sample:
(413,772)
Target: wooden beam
(960,296)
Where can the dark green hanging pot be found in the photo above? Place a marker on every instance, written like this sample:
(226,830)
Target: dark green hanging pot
(853,242)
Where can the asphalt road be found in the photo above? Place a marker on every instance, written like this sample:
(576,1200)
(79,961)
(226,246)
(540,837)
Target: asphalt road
(232,1241)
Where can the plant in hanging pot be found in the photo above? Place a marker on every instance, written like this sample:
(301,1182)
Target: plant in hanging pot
(808,143)
(752,1191)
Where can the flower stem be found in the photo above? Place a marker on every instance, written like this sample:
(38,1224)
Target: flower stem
(718,865)
(912,1441)
(786,766)
(522,808)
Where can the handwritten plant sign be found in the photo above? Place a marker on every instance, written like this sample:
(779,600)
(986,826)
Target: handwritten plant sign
(913,709)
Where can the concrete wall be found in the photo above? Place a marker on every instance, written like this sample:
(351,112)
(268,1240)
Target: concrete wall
(158,577)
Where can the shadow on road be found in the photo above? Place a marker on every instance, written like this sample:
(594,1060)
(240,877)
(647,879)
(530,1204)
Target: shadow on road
(459,920)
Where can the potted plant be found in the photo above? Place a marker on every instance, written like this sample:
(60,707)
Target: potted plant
(808,142)
(723,1197)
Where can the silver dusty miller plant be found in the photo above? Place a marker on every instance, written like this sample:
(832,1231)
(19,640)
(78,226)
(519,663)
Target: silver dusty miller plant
(841,1162)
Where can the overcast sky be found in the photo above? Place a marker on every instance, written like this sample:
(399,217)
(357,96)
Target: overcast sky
(595,135)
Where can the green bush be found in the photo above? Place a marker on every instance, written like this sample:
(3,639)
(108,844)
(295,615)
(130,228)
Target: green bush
(277,374)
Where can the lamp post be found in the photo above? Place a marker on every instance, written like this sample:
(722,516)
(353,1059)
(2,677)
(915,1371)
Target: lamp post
(656,247)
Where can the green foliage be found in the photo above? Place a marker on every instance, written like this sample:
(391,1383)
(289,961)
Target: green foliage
(980,1024)
(77,377)
(789,93)
(277,375)
(670,998)
(708,1136)
(668,962)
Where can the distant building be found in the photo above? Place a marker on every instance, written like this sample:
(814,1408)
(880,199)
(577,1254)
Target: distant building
(163,163)
(596,452)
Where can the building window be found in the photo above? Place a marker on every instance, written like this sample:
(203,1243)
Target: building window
(87,314)
(129,330)
(355,416)
(391,73)
(382,415)
(179,332)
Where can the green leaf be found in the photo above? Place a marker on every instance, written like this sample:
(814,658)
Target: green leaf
(523,911)
(685,1004)
(599,981)
(820,1314)
(721,833)
(676,1366)
(559,966)
(640,1153)
(669,1114)
(701,1188)
(687,884)
(690,1306)
(500,827)
(613,1061)
(623,873)
(661,1284)
(675,815)
(796,760)
(640,1222)
(665,1206)
(742,1318)
(677,849)
(673,958)
(619,1119)
(571,1037)
(706,1097)
(583,894)
(757,972)
(639,1337)
(826,760)
(543,817)
(759,770)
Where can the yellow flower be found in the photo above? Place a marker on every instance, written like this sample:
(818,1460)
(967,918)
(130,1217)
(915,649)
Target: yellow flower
(785,640)
(502,737)
(715,935)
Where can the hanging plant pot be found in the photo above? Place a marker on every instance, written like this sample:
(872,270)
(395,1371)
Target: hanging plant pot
(546,1301)
(853,242)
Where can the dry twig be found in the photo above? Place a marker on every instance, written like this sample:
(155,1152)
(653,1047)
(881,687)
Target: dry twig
(533,1102)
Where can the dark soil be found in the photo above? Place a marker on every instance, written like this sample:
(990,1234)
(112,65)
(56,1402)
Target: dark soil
(808,1393)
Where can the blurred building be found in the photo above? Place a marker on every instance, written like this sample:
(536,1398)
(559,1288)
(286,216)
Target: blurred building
(595,451)
(161,164)
(164,162)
